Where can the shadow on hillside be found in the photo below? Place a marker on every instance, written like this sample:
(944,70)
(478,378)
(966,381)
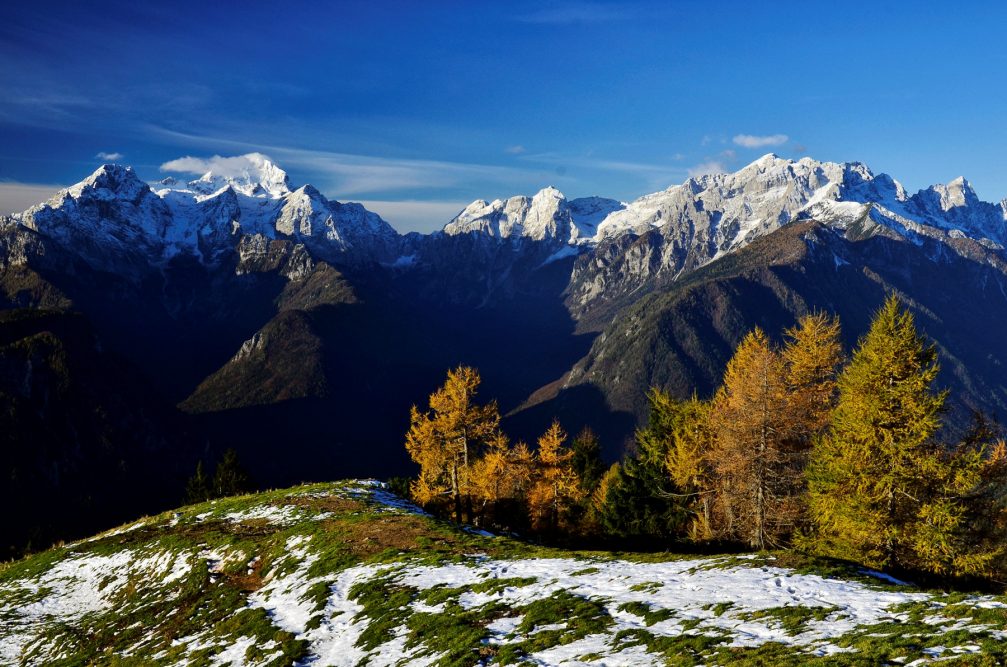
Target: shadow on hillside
(389,352)
(575,408)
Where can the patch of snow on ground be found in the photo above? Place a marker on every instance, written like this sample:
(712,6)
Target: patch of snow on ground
(73,588)
(690,588)
(378,492)
(281,515)
(284,598)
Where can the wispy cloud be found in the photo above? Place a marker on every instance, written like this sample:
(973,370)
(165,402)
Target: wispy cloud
(708,167)
(755,141)
(233,167)
(16,197)
(350,174)
(516,149)
(111,157)
(419,216)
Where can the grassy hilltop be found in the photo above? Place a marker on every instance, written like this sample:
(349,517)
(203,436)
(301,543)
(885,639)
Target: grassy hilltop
(347,573)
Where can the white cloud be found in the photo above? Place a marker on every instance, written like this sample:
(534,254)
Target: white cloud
(754,141)
(708,167)
(16,197)
(515,150)
(110,157)
(233,167)
(350,174)
(416,216)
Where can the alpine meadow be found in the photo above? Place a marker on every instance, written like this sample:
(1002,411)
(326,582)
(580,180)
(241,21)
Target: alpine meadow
(291,377)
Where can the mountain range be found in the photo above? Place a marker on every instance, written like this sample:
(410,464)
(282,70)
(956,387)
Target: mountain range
(298,329)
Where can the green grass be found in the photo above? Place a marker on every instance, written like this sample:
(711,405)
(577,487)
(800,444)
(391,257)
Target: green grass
(147,617)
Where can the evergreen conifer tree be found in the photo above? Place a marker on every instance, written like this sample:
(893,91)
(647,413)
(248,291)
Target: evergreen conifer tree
(640,500)
(869,475)
(586,460)
(198,488)
(230,478)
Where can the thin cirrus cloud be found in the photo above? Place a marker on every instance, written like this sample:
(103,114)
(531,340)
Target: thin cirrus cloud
(516,149)
(755,141)
(111,157)
(350,174)
(652,174)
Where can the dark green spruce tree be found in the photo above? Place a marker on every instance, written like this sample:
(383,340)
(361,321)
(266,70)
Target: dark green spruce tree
(198,488)
(230,478)
(642,501)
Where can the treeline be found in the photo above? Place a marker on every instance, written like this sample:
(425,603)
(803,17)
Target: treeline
(228,479)
(471,471)
(798,448)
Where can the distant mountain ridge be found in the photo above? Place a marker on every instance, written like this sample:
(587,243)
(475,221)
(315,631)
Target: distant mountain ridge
(113,212)
(273,317)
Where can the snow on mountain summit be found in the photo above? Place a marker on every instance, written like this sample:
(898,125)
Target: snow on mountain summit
(113,210)
(114,220)
(546,216)
(252,174)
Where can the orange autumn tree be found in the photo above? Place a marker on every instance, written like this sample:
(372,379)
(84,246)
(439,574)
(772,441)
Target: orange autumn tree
(500,482)
(448,439)
(756,483)
(812,356)
(556,488)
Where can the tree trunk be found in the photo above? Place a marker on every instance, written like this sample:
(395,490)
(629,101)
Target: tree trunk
(455,491)
(760,469)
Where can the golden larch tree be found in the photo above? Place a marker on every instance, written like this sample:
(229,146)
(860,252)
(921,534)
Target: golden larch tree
(447,439)
(555,489)
(756,480)
(869,476)
(500,482)
(812,355)
(688,461)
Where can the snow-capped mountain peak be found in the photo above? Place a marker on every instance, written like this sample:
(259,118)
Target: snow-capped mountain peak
(252,174)
(114,211)
(957,193)
(540,217)
(546,216)
(109,181)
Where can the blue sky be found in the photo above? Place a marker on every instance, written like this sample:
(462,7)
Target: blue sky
(417,108)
